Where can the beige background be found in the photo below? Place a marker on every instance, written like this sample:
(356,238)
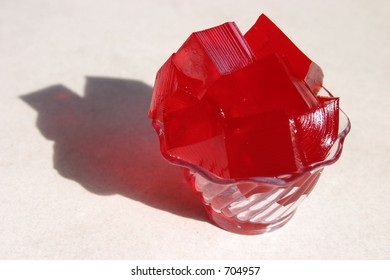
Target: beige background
(80,171)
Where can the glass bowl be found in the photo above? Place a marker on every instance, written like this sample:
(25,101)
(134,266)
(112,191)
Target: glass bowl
(258,204)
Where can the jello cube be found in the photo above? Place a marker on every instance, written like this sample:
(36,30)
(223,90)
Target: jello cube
(209,155)
(192,125)
(169,92)
(265,38)
(208,54)
(264,86)
(200,61)
(259,145)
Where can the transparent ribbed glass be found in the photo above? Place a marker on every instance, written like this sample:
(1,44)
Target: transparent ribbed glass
(262,204)
(258,204)
(250,207)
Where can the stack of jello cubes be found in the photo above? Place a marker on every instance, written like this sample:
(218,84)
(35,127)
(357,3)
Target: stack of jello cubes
(243,106)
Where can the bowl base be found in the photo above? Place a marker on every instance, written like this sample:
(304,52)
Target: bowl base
(245,227)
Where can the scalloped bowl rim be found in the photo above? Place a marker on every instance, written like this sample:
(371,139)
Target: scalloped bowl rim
(279,180)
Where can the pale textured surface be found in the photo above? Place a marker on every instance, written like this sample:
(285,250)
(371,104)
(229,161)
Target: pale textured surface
(86,180)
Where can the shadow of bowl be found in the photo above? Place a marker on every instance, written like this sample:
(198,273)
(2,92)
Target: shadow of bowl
(105,142)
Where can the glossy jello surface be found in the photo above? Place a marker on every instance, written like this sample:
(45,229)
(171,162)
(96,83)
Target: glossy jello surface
(243,106)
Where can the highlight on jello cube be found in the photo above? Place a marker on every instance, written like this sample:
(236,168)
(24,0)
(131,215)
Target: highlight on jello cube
(243,106)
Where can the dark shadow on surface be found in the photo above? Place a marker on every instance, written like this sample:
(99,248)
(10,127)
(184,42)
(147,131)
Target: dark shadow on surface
(105,142)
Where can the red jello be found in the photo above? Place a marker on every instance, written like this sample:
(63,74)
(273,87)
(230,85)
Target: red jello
(266,38)
(243,106)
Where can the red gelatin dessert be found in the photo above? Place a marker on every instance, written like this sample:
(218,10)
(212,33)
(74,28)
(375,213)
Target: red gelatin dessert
(233,108)
(250,97)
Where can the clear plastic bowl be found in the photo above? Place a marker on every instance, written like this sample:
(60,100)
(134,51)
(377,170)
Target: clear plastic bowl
(261,204)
